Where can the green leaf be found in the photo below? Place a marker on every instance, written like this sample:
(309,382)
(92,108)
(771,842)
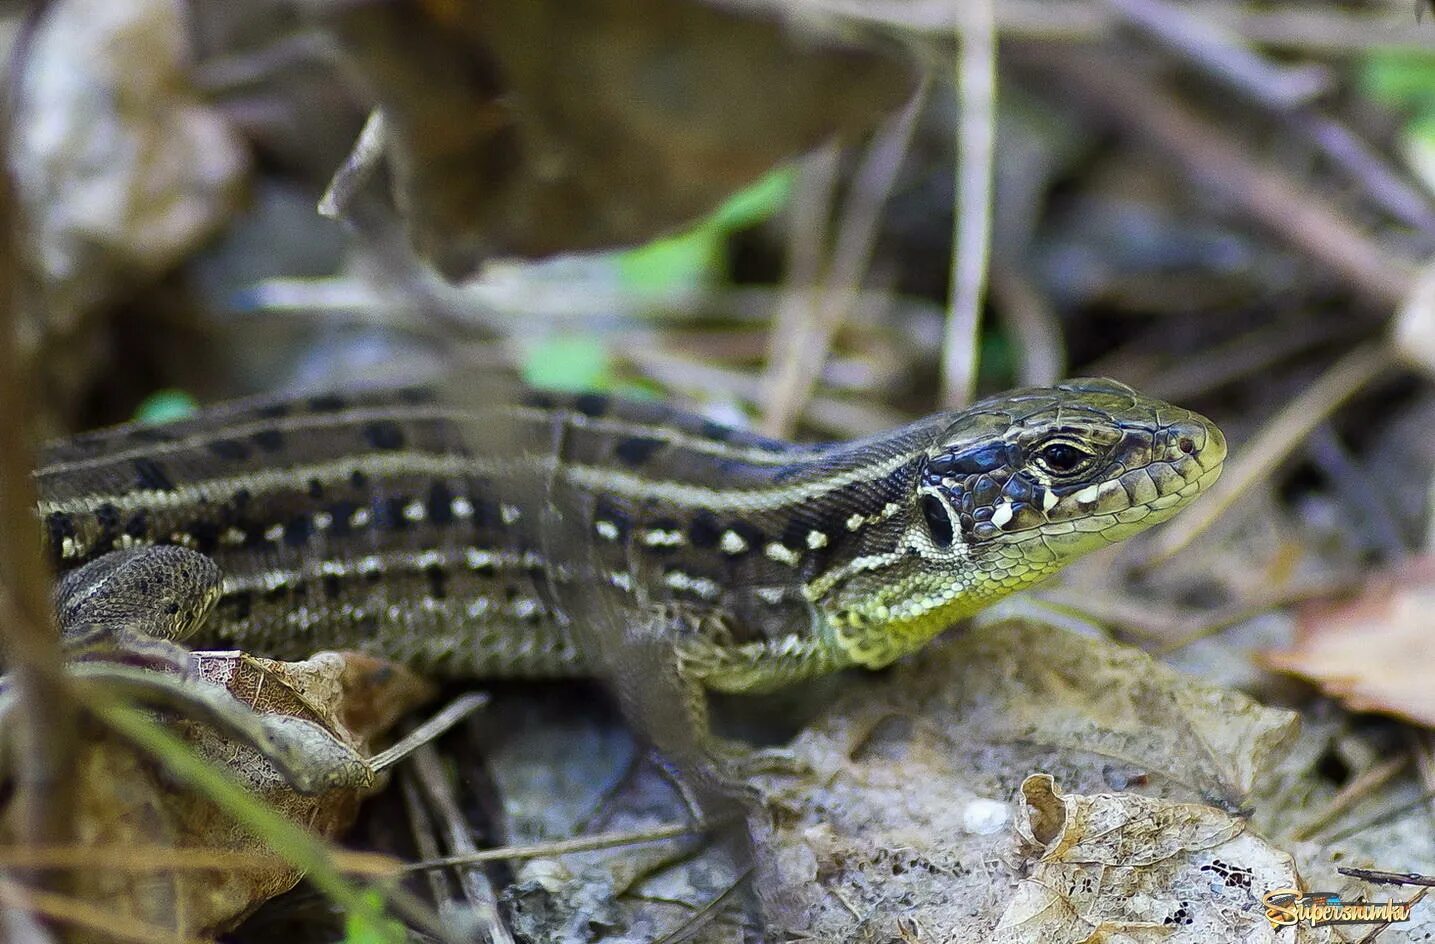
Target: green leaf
(753,204)
(690,258)
(1403,80)
(694,256)
(569,362)
(369,925)
(164,406)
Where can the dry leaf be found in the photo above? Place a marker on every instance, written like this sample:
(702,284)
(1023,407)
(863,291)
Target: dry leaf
(120,167)
(1129,868)
(1372,652)
(907,813)
(532,127)
(127,802)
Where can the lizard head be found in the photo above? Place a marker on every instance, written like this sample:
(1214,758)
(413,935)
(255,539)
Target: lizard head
(1011,490)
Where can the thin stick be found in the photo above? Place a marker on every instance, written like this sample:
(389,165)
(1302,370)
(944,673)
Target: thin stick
(1352,793)
(972,226)
(562,847)
(1209,154)
(105,922)
(794,378)
(44,748)
(1274,443)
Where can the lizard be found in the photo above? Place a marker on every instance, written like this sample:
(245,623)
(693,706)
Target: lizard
(485,537)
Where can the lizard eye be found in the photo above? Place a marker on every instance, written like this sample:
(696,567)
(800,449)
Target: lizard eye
(1063,457)
(939,523)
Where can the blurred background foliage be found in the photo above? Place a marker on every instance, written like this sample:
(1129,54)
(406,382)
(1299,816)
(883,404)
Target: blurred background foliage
(748,208)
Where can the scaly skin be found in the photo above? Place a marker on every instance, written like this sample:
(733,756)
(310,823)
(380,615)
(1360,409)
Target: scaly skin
(487,540)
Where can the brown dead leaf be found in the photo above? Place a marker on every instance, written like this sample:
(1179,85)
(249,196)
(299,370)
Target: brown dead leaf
(126,801)
(1372,652)
(907,812)
(531,127)
(121,168)
(1124,867)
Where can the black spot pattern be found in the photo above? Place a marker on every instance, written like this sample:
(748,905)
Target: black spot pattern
(636,450)
(704,531)
(591,404)
(150,475)
(230,450)
(269,440)
(440,504)
(384,435)
(437,581)
(298,531)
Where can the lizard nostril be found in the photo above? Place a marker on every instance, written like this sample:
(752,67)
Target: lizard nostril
(1186,444)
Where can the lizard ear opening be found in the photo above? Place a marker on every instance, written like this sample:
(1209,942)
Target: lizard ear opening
(939,521)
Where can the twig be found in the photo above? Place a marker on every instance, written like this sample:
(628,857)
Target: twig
(1276,440)
(450,715)
(1032,325)
(1313,31)
(811,211)
(1288,91)
(1222,56)
(429,773)
(1352,793)
(132,858)
(972,228)
(357,168)
(44,741)
(563,847)
(1283,205)
(792,376)
(106,923)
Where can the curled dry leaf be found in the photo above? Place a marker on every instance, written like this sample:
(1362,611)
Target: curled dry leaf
(1123,867)
(906,814)
(329,706)
(531,127)
(1372,652)
(121,169)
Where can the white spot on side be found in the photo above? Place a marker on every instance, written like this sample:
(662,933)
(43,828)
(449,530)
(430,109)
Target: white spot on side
(1002,514)
(658,537)
(477,559)
(855,522)
(1048,500)
(332,568)
(732,543)
(783,554)
(477,607)
(428,559)
(232,536)
(370,565)
(509,513)
(68,548)
(621,580)
(701,586)
(274,533)
(182,538)
(360,517)
(890,509)
(414,511)
(771,595)
(1088,494)
(524,607)
(461,507)
(607,530)
(816,539)
(322,520)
